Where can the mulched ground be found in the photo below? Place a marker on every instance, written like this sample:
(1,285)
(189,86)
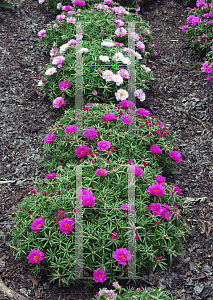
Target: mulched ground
(179,97)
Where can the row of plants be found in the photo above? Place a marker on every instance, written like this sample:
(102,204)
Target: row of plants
(105,191)
(199,33)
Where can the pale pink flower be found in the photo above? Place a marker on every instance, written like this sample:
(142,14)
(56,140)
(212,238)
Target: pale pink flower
(60,17)
(53,51)
(123,73)
(104,58)
(51,71)
(71,20)
(135,36)
(107,75)
(118,56)
(58,60)
(140,46)
(140,95)
(41,33)
(117,79)
(119,22)
(120,31)
(58,102)
(121,95)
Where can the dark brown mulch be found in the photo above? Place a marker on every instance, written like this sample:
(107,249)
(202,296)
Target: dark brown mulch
(180,96)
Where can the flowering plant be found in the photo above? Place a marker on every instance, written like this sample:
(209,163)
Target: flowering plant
(199,32)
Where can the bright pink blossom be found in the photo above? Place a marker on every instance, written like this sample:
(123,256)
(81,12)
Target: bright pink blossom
(156,189)
(126,120)
(120,32)
(122,255)
(160,179)
(155,149)
(81,151)
(176,156)
(110,117)
(58,102)
(86,198)
(66,225)
(31,190)
(70,129)
(127,103)
(176,190)
(37,224)
(114,236)
(136,170)
(156,209)
(90,133)
(126,207)
(165,214)
(99,275)
(35,256)
(41,33)
(49,139)
(63,85)
(60,214)
(101,172)
(103,145)
(142,112)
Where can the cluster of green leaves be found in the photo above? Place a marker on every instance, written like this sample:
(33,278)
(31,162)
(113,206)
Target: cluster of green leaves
(139,294)
(99,222)
(6,4)
(126,146)
(191,3)
(194,33)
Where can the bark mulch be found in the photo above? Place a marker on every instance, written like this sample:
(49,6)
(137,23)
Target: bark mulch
(179,97)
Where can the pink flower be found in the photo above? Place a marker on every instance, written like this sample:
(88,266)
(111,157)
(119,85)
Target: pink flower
(70,129)
(135,36)
(99,275)
(37,224)
(101,172)
(79,3)
(71,20)
(165,214)
(208,78)
(126,207)
(130,162)
(185,27)
(142,112)
(137,237)
(95,93)
(120,32)
(114,236)
(35,256)
(126,120)
(58,102)
(156,209)
(60,214)
(86,198)
(136,170)
(156,189)
(203,36)
(66,225)
(41,33)
(176,190)
(63,85)
(45,194)
(158,258)
(49,139)
(90,133)
(112,149)
(176,156)
(155,149)
(197,41)
(110,117)
(103,145)
(140,46)
(67,8)
(160,179)
(81,151)
(31,190)
(58,60)
(121,255)
(127,103)
(115,284)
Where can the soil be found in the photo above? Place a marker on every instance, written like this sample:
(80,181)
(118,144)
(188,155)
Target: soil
(180,96)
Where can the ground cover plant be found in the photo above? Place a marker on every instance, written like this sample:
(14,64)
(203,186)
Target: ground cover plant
(104,55)
(54,6)
(199,33)
(46,221)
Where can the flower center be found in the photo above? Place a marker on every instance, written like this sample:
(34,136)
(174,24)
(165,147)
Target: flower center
(122,94)
(155,190)
(35,257)
(66,225)
(38,225)
(82,151)
(122,256)
(99,275)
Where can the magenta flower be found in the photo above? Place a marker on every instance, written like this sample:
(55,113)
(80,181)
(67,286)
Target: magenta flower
(155,149)
(60,214)
(114,236)
(122,255)
(31,190)
(66,225)
(103,145)
(101,172)
(41,33)
(126,120)
(136,170)
(86,198)
(63,85)
(126,207)
(130,162)
(99,275)
(115,284)
(185,27)
(176,190)
(160,179)
(156,189)
(70,129)
(120,32)
(90,133)
(165,214)
(58,102)
(206,68)
(49,139)
(110,117)
(50,176)
(176,156)
(35,256)
(37,224)
(142,112)
(81,151)
(127,103)
(156,209)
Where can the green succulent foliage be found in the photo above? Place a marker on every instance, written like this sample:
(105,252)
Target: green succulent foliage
(6,4)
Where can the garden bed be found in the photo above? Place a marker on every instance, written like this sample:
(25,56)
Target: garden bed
(179,97)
